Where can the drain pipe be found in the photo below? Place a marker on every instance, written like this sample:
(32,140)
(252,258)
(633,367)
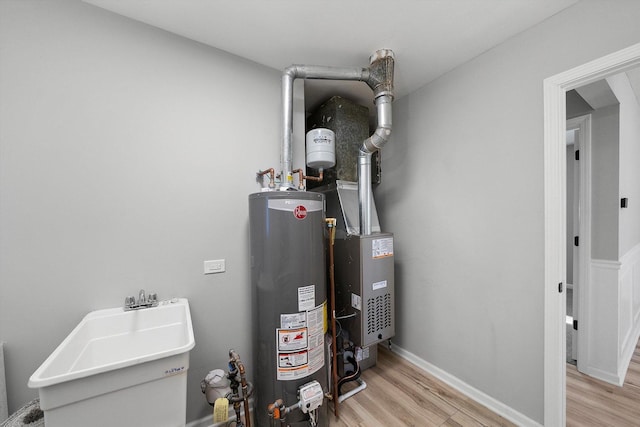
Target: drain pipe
(381,81)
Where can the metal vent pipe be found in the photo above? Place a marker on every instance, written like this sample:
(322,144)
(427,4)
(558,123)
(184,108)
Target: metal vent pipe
(381,81)
(305,72)
(379,77)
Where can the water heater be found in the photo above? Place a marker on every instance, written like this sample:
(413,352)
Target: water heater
(288,274)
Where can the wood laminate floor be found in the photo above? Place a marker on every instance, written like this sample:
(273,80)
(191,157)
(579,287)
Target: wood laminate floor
(591,402)
(400,394)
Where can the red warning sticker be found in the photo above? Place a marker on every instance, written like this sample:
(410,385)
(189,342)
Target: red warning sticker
(292,339)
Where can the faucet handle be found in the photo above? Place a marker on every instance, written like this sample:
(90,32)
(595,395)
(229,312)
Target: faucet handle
(129,301)
(152,298)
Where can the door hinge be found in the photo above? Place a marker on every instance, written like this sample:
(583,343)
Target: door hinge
(577,154)
(575,325)
(576,241)
(560,287)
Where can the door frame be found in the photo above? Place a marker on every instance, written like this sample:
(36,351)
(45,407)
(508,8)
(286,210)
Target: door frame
(555,89)
(583,125)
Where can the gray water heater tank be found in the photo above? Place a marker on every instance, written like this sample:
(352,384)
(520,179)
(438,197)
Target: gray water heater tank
(288,276)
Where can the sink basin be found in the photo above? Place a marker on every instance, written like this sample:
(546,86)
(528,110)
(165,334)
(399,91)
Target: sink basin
(129,366)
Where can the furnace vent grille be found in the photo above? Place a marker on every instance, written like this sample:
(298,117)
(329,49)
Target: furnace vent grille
(378,313)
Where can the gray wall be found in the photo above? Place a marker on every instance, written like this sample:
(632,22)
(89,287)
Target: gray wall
(629,155)
(463,193)
(605,169)
(125,163)
(126,158)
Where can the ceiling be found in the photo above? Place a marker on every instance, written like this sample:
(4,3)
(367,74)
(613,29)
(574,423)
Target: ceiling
(428,37)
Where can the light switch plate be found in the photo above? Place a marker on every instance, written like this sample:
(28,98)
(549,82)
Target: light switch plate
(214,266)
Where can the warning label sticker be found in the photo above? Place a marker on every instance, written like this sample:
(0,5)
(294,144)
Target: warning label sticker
(293,320)
(300,343)
(306,297)
(382,248)
(292,339)
(356,302)
(290,360)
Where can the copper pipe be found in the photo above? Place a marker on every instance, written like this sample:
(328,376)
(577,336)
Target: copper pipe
(246,390)
(315,178)
(272,176)
(331,225)
(302,177)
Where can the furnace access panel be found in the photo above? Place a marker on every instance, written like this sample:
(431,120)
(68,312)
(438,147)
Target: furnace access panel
(364,276)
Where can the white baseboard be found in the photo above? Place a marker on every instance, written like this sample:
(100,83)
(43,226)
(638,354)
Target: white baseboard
(625,359)
(469,391)
(602,375)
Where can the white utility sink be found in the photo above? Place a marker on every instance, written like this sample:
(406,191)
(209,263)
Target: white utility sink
(125,368)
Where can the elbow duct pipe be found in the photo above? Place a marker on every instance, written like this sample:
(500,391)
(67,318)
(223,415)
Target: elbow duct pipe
(379,77)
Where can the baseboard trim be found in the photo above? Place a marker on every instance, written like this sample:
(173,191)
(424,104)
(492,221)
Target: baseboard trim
(466,389)
(605,376)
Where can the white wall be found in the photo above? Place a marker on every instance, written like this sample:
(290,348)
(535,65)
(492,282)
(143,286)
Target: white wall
(126,158)
(463,193)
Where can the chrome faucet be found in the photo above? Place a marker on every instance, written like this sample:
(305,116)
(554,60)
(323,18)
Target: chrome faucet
(130,302)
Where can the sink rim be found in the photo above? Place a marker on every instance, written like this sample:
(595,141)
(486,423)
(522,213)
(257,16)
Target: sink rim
(40,378)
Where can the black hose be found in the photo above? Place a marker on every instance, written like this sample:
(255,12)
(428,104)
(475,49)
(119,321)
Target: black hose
(350,377)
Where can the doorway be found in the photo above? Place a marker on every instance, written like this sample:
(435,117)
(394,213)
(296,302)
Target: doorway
(578,233)
(555,89)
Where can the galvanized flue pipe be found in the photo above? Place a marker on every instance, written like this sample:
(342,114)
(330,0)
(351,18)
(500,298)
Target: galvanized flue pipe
(379,77)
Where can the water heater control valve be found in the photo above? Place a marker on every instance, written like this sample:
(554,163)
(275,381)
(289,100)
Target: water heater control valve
(311,396)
